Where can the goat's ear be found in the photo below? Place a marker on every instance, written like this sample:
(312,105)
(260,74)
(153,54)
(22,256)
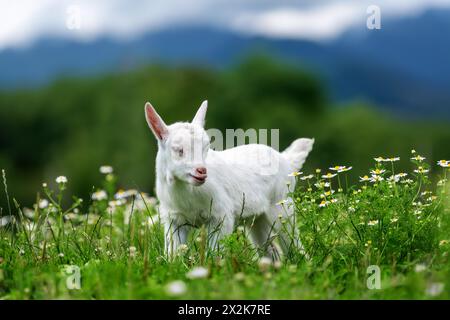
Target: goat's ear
(155,122)
(199,118)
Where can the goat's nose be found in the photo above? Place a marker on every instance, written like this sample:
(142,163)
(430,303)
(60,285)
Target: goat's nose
(201,170)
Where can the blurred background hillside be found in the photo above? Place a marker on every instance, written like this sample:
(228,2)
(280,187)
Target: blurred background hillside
(72,95)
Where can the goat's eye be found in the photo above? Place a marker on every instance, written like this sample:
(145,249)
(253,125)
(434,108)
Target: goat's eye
(179,151)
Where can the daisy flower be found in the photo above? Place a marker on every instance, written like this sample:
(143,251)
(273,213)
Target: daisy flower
(106,169)
(444,163)
(393,159)
(99,195)
(327,194)
(307,177)
(176,288)
(198,273)
(61,180)
(377,171)
(340,168)
(372,223)
(324,203)
(418,158)
(376,178)
(421,170)
(364,179)
(329,175)
(295,174)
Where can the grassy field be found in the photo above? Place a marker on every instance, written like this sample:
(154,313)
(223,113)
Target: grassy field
(399,223)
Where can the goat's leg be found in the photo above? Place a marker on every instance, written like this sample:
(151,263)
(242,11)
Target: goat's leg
(262,232)
(175,235)
(218,228)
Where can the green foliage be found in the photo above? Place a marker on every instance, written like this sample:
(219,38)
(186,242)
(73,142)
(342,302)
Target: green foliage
(391,220)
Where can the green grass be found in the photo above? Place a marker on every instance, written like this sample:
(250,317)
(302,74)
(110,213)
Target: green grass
(400,226)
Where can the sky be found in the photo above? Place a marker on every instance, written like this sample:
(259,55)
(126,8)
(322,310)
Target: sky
(23,22)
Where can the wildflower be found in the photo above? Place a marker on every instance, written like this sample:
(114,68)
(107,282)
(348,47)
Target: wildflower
(393,179)
(61,255)
(372,223)
(133,251)
(61,180)
(307,177)
(116,203)
(295,174)
(444,242)
(324,203)
(182,249)
(329,175)
(394,220)
(418,158)
(421,170)
(240,276)
(444,163)
(327,194)
(318,170)
(281,202)
(6,220)
(376,178)
(364,179)
(340,168)
(435,289)
(44,185)
(264,264)
(334,200)
(176,288)
(420,267)
(43,203)
(401,175)
(368,243)
(393,159)
(99,195)
(377,171)
(198,273)
(379,159)
(106,169)
(122,194)
(321,185)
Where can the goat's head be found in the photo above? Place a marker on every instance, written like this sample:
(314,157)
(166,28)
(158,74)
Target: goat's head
(182,146)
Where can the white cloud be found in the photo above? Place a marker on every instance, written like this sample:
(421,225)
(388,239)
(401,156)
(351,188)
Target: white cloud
(25,21)
(313,23)
(327,20)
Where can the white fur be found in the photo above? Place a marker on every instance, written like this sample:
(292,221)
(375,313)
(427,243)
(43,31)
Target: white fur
(238,185)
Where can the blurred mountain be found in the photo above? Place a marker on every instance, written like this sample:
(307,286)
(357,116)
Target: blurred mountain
(404,67)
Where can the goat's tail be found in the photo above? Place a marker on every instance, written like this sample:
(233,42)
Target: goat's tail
(298,151)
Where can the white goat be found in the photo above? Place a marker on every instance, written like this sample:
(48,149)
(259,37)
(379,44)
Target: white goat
(200,186)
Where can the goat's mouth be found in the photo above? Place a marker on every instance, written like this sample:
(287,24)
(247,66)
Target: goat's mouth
(199,179)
